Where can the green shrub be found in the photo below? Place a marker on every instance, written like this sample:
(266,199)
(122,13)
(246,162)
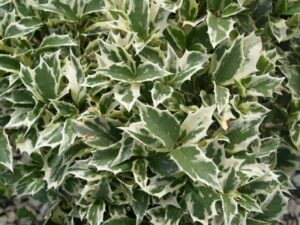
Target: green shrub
(159,112)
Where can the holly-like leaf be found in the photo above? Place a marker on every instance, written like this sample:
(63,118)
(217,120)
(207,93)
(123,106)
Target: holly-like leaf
(6,151)
(230,62)
(292,73)
(68,136)
(94,6)
(160,92)
(145,72)
(190,63)
(192,161)
(218,5)
(230,208)
(103,159)
(279,29)
(252,46)
(201,203)
(56,40)
(139,132)
(139,169)
(64,108)
(119,220)
(164,112)
(173,215)
(272,206)
(222,95)
(45,82)
(9,64)
(22,27)
(57,7)
(230,180)
(263,85)
(218,28)
(196,124)
(75,76)
(248,203)
(111,54)
(162,186)
(96,213)
(127,95)
(188,10)
(139,17)
(140,204)
(232,9)
(176,36)
(247,130)
(150,72)
(162,124)
(99,133)
(119,72)
(50,137)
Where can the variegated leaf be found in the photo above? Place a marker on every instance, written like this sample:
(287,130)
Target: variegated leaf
(230,180)
(230,208)
(139,132)
(64,108)
(145,72)
(232,9)
(93,6)
(100,133)
(139,17)
(272,206)
(190,63)
(95,213)
(150,72)
(22,27)
(58,7)
(230,62)
(17,118)
(192,161)
(68,136)
(201,203)
(252,46)
(45,83)
(263,85)
(176,36)
(139,169)
(161,186)
(111,54)
(75,75)
(6,151)
(103,159)
(56,40)
(173,215)
(51,136)
(160,92)
(162,124)
(163,112)
(222,95)
(196,124)
(292,73)
(279,29)
(248,203)
(247,130)
(140,204)
(188,10)
(218,28)
(218,5)
(127,95)
(9,64)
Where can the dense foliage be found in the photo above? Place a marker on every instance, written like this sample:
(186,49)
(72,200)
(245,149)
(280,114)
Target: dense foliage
(164,112)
